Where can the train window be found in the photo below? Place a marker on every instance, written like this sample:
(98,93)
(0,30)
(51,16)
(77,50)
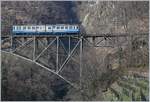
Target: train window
(13,28)
(40,27)
(70,27)
(49,27)
(62,27)
(37,27)
(33,27)
(58,27)
(53,26)
(29,27)
(74,27)
(19,28)
(24,28)
(77,27)
(66,27)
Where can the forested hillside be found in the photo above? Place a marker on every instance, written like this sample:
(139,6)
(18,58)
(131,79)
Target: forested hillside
(108,73)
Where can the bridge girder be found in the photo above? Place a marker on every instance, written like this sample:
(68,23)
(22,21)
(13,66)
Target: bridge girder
(17,42)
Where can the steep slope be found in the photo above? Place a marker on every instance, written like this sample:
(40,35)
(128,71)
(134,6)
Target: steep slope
(101,67)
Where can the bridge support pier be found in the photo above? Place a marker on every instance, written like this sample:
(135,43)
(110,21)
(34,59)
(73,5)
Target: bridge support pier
(57,54)
(93,40)
(81,62)
(34,48)
(11,50)
(13,43)
(69,45)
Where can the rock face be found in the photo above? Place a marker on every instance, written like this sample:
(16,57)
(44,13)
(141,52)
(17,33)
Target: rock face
(112,16)
(101,66)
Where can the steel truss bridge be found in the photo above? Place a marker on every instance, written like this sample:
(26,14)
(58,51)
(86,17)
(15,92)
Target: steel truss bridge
(68,44)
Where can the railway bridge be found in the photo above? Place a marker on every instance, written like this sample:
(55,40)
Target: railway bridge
(39,44)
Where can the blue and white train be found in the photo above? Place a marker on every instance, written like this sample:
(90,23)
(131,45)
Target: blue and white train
(59,29)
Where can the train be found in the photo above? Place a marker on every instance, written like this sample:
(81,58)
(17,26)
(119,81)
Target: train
(57,29)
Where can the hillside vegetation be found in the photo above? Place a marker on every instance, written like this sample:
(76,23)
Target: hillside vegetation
(108,73)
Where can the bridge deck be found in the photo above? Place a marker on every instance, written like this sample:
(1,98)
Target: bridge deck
(85,36)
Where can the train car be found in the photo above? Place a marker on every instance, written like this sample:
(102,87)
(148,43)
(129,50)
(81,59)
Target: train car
(28,29)
(68,29)
(45,29)
(48,29)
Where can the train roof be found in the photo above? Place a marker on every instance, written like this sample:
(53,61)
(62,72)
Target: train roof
(48,25)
